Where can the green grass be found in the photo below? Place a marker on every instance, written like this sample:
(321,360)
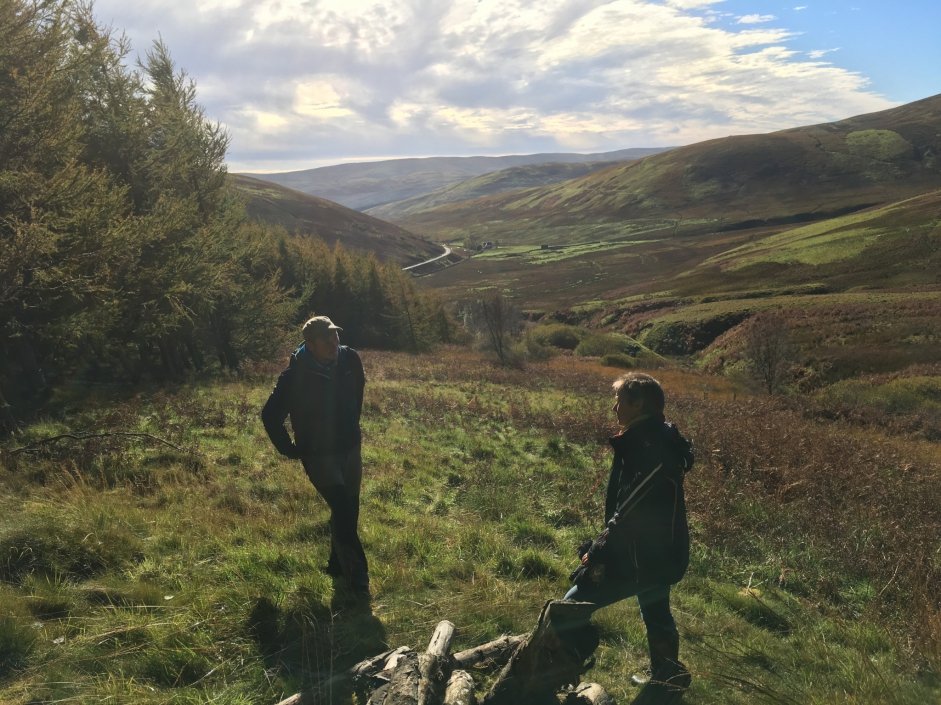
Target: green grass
(824,242)
(132,574)
(881,145)
(555,253)
(911,400)
(557,335)
(891,247)
(905,395)
(618,347)
(838,335)
(812,245)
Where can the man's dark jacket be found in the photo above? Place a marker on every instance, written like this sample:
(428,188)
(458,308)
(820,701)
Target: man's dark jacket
(324,403)
(650,545)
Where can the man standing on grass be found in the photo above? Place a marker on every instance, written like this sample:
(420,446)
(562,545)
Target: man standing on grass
(645,549)
(322,392)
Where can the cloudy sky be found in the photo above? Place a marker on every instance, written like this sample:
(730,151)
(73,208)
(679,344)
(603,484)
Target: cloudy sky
(305,83)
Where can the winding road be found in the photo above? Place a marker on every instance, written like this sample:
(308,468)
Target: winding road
(447,251)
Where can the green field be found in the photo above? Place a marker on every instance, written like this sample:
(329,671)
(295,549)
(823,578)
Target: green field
(554,253)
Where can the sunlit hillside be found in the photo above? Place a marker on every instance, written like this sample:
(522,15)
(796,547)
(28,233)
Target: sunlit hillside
(784,288)
(308,215)
(795,175)
(493,182)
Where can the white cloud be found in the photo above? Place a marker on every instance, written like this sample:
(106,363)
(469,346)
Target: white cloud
(691,4)
(299,82)
(820,53)
(800,8)
(319,99)
(756,19)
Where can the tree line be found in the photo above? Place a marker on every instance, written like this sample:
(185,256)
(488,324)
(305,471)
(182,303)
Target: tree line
(124,254)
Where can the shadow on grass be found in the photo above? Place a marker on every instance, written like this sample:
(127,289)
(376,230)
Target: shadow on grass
(311,644)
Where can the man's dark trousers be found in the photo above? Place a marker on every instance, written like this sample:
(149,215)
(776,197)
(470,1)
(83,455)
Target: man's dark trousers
(337,477)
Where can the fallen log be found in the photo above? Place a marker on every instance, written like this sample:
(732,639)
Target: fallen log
(402,688)
(435,666)
(552,656)
(419,679)
(372,667)
(496,652)
(377,666)
(460,690)
(392,662)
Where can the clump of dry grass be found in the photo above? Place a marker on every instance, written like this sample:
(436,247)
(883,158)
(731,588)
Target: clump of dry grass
(832,510)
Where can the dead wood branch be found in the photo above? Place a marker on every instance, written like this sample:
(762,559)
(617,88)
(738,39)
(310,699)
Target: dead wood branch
(434,665)
(494,653)
(589,694)
(554,655)
(402,688)
(460,690)
(378,667)
(84,436)
(374,667)
(538,666)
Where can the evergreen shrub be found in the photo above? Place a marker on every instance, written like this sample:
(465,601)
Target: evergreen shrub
(558,335)
(601,344)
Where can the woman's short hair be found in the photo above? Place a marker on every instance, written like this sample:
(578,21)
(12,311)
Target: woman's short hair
(637,385)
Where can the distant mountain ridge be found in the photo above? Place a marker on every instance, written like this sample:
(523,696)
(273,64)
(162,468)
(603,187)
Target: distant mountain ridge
(367,185)
(795,175)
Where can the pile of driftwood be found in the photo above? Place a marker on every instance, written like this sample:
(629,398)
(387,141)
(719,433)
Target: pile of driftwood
(542,666)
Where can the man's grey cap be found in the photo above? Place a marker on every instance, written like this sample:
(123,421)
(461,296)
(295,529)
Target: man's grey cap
(318,326)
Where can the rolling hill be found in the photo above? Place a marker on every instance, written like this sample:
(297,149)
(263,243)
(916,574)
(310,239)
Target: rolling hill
(369,184)
(896,247)
(302,213)
(859,292)
(514,178)
(796,175)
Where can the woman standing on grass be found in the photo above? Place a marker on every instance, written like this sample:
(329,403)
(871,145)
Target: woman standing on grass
(645,549)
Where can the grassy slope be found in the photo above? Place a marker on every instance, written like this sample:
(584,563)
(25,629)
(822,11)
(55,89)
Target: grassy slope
(301,213)
(893,245)
(135,572)
(514,178)
(875,274)
(579,273)
(788,176)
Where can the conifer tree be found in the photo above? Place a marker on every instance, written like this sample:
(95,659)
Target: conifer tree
(56,212)
(123,253)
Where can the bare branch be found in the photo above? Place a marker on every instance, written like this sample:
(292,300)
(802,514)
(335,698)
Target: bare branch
(85,436)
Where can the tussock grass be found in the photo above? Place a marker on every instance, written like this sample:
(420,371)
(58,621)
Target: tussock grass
(196,576)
